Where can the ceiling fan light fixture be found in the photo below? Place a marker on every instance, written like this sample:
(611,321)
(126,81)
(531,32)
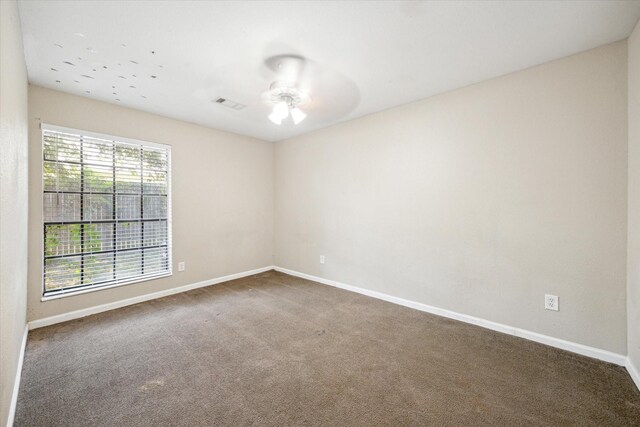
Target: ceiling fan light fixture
(280,112)
(297,115)
(285,98)
(275,118)
(281,109)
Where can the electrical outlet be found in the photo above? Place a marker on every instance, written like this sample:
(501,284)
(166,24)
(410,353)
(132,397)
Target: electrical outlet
(181,266)
(551,302)
(321,259)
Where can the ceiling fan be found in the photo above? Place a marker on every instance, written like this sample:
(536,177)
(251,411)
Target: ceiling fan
(300,87)
(285,94)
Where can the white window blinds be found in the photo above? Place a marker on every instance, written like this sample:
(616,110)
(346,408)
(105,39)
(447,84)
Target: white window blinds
(106,210)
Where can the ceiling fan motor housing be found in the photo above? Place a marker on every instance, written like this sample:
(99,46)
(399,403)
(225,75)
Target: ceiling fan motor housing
(280,91)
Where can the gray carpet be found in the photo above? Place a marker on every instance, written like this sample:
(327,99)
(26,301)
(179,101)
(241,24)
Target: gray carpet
(276,350)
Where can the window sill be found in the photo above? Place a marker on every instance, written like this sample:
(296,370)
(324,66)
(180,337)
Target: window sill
(63,294)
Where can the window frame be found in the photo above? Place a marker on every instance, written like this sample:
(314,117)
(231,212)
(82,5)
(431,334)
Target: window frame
(82,289)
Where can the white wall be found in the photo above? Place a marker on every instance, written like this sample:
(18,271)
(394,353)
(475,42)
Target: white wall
(633,253)
(13,200)
(222,191)
(479,201)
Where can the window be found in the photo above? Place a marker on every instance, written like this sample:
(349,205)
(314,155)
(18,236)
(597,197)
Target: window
(106,211)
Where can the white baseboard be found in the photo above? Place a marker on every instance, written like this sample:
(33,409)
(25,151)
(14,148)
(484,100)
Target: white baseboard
(582,349)
(16,382)
(633,371)
(39,323)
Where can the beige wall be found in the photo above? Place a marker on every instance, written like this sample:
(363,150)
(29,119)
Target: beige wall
(633,254)
(222,190)
(479,201)
(13,200)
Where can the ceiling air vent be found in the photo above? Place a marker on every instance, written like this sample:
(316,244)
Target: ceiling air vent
(230,104)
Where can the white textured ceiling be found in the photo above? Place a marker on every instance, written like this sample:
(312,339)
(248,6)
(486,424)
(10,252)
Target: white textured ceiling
(175,58)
